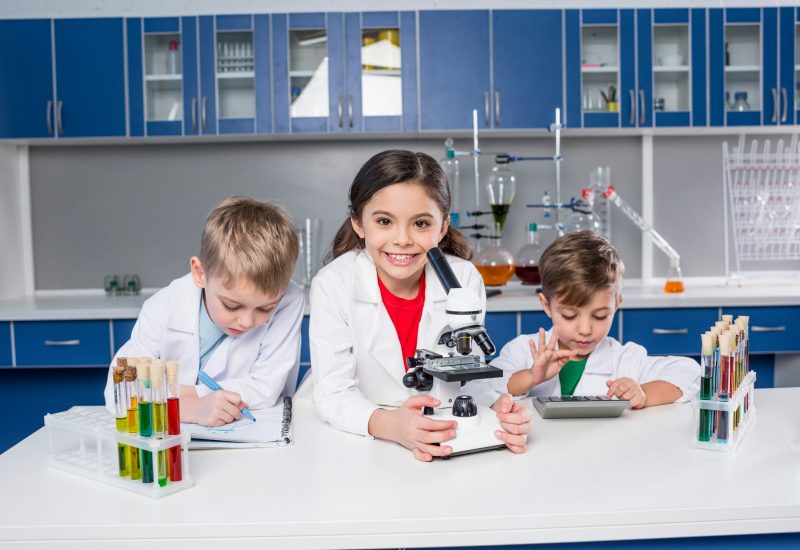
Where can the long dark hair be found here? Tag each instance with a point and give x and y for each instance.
(387, 168)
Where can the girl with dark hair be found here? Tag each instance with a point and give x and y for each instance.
(377, 300)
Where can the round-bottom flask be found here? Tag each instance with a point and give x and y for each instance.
(495, 264)
(526, 262)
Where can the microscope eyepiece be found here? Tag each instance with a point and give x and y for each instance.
(442, 269)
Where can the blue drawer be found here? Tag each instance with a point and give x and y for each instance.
(532, 320)
(122, 329)
(772, 329)
(667, 331)
(54, 343)
(5, 344)
(305, 350)
(502, 328)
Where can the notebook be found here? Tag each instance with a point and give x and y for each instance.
(273, 428)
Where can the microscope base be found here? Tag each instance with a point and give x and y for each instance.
(474, 434)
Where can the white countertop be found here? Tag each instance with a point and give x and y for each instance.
(515, 297)
(633, 477)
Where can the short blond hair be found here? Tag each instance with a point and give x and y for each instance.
(246, 237)
(577, 265)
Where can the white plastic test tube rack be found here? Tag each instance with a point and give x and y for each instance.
(83, 441)
(716, 406)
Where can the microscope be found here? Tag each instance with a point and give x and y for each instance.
(442, 372)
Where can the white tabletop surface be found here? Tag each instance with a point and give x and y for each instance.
(581, 480)
(515, 297)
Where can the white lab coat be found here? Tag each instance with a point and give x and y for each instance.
(259, 365)
(356, 359)
(608, 361)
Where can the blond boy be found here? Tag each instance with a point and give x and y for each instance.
(236, 315)
(581, 290)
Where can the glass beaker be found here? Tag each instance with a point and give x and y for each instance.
(310, 237)
(526, 262)
(501, 187)
(495, 263)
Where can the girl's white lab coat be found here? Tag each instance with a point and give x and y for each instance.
(609, 360)
(357, 364)
(259, 365)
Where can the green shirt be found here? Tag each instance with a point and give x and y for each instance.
(570, 374)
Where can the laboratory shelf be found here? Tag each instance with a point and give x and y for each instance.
(600, 70)
(163, 78)
(235, 75)
(671, 69)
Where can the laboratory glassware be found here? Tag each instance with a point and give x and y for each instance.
(451, 168)
(495, 263)
(501, 187)
(526, 262)
(310, 237)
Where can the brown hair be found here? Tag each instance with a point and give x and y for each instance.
(577, 265)
(245, 237)
(385, 169)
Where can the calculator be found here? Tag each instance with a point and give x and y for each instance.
(580, 406)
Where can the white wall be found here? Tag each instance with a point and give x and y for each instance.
(15, 244)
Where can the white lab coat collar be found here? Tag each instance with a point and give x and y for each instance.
(184, 315)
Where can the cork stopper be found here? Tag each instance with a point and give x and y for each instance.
(122, 362)
(745, 319)
(118, 374)
(130, 373)
(728, 319)
(724, 344)
(143, 368)
(172, 371)
(157, 372)
(721, 325)
(133, 361)
(705, 340)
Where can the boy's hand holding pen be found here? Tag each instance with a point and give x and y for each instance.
(215, 409)
(547, 360)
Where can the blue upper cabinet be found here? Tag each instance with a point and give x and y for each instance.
(454, 69)
(527, 67)
(90, 78)
(780, 65)
(26, 81)
(199, 75)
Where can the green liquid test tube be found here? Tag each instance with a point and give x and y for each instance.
(706, 427)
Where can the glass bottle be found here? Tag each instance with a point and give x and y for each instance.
(501, 186)
(740, 102)
(495, 263)
(450, 166)
(526, 262)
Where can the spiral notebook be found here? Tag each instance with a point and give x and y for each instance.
(272, 428)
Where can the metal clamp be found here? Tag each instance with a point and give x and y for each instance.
(642, 110)
(486, 108)
(670, 331)
(785, 104)
(203, 103)
(350, 109)
(59, 121)
(50, 116)
(756, 328)
(194, 114)
(340, 111)
(632, 121)
(774, 104)
(497, 108)
(62, 342)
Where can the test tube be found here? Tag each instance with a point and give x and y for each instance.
(121, 413)
(174, 420)
(145, 416)
(132, 393)
(706, 416)
(724, 392)
(159, 415)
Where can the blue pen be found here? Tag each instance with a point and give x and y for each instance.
(212, 384)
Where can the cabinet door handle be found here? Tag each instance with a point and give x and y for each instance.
(670, 331)
(59, 120)
(50, 116)
(350, 109)
(642, 110)
(774, 104)
(756, 328)
(486, 108)
(194, 114)
(62, 342)
(784, 104)
(340, 111)
(633, 107)
(497, 108)
(203, 103)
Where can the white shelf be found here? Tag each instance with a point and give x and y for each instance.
(163, 77)
(742, 69)
(301, 74)
(600, 70)
(236, 74)
(382, 72)
(671, 69)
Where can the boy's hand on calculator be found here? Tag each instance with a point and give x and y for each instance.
(547, 360)
(627, 388)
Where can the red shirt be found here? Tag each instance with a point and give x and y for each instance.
(405, 315)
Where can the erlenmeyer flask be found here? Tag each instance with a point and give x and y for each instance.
(501, 186)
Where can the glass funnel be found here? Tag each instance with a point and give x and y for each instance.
(501, 186)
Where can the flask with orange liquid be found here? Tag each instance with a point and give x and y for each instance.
(495, 263)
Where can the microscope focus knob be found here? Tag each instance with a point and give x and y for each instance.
(418, 379)
(464, 406)
(410, 379)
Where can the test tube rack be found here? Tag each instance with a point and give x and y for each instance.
(725, 411)
(83, 441)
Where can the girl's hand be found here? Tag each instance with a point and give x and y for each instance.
(215, 409)
(547, 360)
(413, 430)
(627, 388)
(515, 421)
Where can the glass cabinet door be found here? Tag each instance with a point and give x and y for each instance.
(163, 78)
(672, 78)
(600, 66)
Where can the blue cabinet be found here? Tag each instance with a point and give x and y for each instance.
(62, 343)
(772, 329)
(527, 67)
(121, 330)
(502, 328)
(5, 345)
(88, 97)
(667, 331)
(26, 79)
(454, 69)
